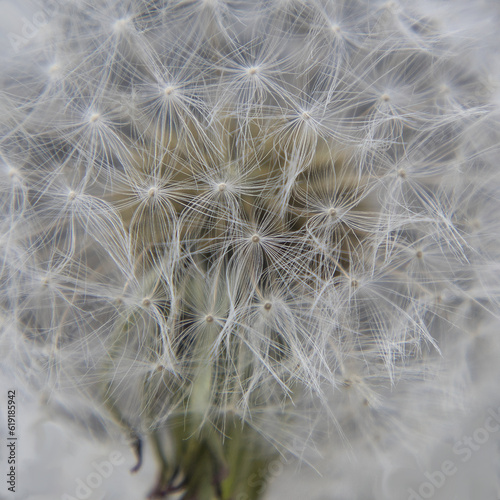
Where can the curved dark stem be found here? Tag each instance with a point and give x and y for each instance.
(137, 447)
(163, 491)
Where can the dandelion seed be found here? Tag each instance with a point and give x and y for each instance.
(121, 25)
(444, 89)
(169, 90)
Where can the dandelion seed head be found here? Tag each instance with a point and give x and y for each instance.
(121, 25)
(55, 71)
(475, 224)
(390, 6)
(270, 214)
(305, 115)
(444, 89)
(13, 173)
(169, 90)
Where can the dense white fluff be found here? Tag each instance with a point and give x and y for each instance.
(275, 211)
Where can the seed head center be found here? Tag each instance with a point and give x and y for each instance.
(444, 89)
(120, 25)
